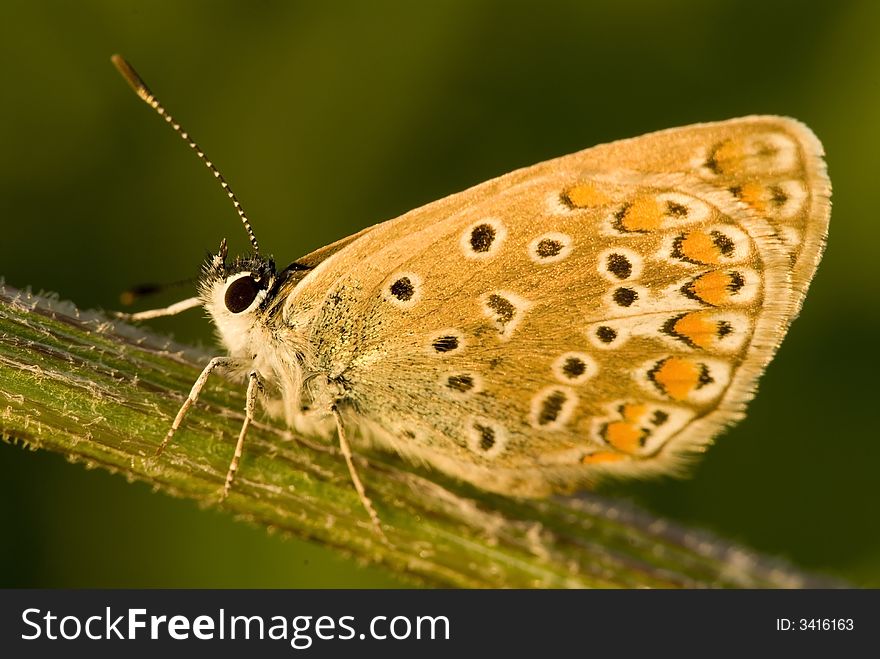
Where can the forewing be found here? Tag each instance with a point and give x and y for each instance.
(603, 312)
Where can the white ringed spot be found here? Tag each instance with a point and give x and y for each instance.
(635, 427)
(717, 244)
(768, 153)
(781, 200)
(550, 247)
(685, 379)
(461, 383)
(678, 208)
(403, 289)
(483, 238)
(552, 407)
(608, 335)
(574, 368)
(627, 298)
(706, 329)
(505, 310)
(446, 342)
(485, 437)
(720, 287)
(619, 264)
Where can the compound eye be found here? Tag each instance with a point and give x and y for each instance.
(241, 294)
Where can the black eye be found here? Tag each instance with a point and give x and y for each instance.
(241, 293)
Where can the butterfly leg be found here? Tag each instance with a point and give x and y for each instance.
(216, 362)
(358, 485)
(254, 387)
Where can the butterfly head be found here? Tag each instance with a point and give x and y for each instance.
(236, 293)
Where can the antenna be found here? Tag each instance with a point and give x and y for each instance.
(141, 89)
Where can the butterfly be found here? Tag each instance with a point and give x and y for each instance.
(606, 313)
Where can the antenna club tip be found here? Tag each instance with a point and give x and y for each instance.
(121, 64)
(127, 71)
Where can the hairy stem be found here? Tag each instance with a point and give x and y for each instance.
(104, 392)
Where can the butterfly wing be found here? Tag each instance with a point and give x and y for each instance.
(605, 312)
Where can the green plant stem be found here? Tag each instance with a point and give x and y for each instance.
(104, 393)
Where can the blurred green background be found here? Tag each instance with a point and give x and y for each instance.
(327, 117)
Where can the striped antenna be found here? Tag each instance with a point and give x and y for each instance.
(141, 89)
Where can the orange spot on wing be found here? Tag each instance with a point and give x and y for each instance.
(698, 246)
(624, 436)
(728, 156)
(677, 377)
(600, 457)
(643, 214)
(633, 412)
(696, 329)
(585, 195)
(755, 195)
(713, 287)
